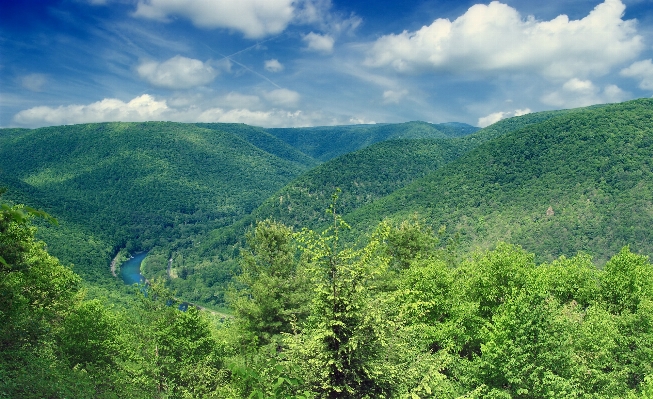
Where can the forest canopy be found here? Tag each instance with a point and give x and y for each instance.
(398, 316)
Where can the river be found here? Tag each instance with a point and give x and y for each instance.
(130, 271)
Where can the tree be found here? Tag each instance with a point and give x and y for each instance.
(36, 295)
(275, 289)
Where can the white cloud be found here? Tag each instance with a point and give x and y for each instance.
(139, 109)
(394, 96)
(581, 93)
(34, 81)
(177, 73)
(360, 120)
(317, 12)
(273, 65)
(495, 38)
(269, 118)
(642, 70)
(232, 107)
(282, 97)
(319, 43)
(497, 116)
(254, 18)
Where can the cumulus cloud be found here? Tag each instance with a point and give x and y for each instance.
(581, 93)
(34, 81)
(319, 43)
(177, 73)
(254, 18)
(495, 38)
(394, 96)
(642, 70)
(233, 107)
(141, 108)
(282, 97)
(273, 65)
(497, 116)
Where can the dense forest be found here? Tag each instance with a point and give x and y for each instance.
(315, 317)
(395, 260)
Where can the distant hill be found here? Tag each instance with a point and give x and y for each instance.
(363, 177)
(262, 139)
(555, 182)
(158, 184)
(328, 142)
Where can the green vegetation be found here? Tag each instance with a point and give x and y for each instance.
(328, 142)
(514, 181)
(503, 263)
(578, 181)
(137, 186)
(396, 317)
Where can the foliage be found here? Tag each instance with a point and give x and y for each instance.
(523, 187)
(328, 142)
(396, 315)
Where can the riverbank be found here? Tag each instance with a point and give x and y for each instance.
(114, 264)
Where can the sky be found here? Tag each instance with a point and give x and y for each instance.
(291, 63)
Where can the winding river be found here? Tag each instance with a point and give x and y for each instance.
(130, 273)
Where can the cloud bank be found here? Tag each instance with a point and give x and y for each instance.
(495, 38)
(276, 108)
(141, 108)
(254, 18)
(497, 116)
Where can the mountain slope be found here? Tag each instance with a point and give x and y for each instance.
(141, 184)
(579, 181)
(369, 174)
(328, 142)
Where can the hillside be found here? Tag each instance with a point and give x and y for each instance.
(189, 192)
(578, 181)
(159, 184)
(376, 171)
(328, 142)
(363, 177)
(141, 184)
(514, 181)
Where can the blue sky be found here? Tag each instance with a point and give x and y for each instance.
(317, 62)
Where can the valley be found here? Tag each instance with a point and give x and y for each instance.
(341, 254)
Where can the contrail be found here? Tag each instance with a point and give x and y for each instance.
(228, 57)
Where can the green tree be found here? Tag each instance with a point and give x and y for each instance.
(274, 290)
(36, 295)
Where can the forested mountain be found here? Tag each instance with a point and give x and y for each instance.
(578, 181)
(481, 205)
(315, 317)
(328, 142)
(369, 174)
(362, 177)
(143, 184)
(339, 278)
